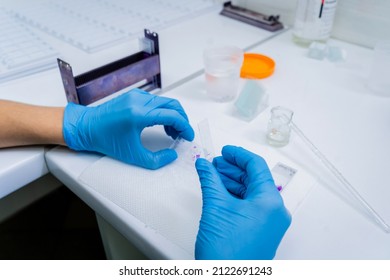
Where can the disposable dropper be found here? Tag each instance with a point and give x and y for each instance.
(342, 179)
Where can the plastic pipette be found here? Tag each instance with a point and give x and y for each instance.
(342, 179)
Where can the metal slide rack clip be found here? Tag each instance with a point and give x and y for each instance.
(142, 67)
(268, 22)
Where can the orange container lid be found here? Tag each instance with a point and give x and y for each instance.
(257, 66)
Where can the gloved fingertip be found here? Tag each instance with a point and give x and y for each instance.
(162, 158)
(201, 164)
(230, 149)
(206, 170)
(216, 161)
(171, 132)
(188, 134)
(212, 186)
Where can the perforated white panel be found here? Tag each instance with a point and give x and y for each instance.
(167, 200)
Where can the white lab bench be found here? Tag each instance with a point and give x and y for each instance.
(181, 49)
(332, 107)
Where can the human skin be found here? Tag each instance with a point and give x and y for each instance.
(24, 124)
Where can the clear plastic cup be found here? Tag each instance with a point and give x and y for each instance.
(378, 80)
(222, 72)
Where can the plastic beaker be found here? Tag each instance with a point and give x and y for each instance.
(222, 72)
(279, 126)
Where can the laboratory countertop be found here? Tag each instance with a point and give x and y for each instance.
(335, 110)
(19, 167)
(182, 44)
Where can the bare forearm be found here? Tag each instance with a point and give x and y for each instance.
(22, 124)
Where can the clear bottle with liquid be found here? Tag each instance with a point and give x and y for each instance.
(313, 21)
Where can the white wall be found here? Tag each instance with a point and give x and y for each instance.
(358, 21)
(363, 21)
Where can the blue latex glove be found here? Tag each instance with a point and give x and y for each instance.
(243, 215)
(114, 128)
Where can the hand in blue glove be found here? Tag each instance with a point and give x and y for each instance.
(114, 128)
(243, 215)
